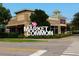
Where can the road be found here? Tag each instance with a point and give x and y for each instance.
(68, 46)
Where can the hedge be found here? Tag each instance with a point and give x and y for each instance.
(16, 35)
(75, 32)
(8, 35)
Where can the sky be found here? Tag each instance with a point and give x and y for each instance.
(67, 9)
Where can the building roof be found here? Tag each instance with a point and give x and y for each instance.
(14, 22)
(53, 20)
(23, 11)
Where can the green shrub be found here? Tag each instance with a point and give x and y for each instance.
(75, 32)
(40, 37)
(12, 35)
(21, 36)
(3, 35)
(8, 35)
(16, 35)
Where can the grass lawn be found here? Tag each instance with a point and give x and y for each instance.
(20, 40)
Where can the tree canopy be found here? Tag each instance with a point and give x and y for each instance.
(75, 21)
(5, 16)
(40, 17)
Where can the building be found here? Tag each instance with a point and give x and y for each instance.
(22, 18)
(58, 22)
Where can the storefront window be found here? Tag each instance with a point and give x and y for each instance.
(54, 29)
(62, 21)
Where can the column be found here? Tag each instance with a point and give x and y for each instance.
(59, 29)
(7, 30)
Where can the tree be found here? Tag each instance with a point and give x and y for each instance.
(0, 4)
(5, 16)
(68, 26)
(40, 17)
(75, 22)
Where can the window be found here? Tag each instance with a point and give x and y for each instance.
(62, 21)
